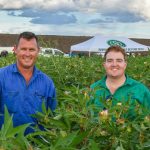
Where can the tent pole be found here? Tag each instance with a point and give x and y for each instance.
(89, 54)
(70, 53)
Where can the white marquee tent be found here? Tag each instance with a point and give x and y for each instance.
(9, 49)
(99, 44)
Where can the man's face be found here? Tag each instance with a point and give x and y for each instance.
(115, 64)
(26, 53)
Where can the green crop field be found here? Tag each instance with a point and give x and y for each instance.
(72, 127)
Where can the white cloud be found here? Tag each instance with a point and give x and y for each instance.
(59, 4)
(39, 4)
(141, 7)
(116, 17)
(138, 7)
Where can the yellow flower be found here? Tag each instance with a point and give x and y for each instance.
(147, 119)
(103, 115)
(67, 92)
(120, 121)
(119, 104)
(63, 133)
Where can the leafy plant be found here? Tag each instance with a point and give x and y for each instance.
(12, 137)
(72, 126)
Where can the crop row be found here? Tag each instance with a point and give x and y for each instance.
(72, 127)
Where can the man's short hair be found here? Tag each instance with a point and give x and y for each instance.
(28, 36)
(116, 48)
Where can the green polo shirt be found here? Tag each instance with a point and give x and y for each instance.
(131, 91)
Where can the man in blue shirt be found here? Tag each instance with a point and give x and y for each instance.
(23, 87)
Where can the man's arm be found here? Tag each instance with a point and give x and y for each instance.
(146, 101)
(51, 101)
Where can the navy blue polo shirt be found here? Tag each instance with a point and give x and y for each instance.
(21, 99)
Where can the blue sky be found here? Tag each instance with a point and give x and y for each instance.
(129, 18)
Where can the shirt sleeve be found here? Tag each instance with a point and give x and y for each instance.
(0, 85)
(52, 102)
(146, 101)
(1, 112)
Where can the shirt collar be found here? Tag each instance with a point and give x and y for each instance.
(15, 69)
(128, 81)
(102, 82)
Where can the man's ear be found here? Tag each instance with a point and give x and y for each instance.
(15, 49)
(40, 50)
(104, 64)
(126, 63)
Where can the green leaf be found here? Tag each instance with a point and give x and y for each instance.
(137, 127)
(57, 123)
(93, 145)
(8, 123)
(17, 130)
(66, 141)
(146, 144)
(44, 107)
(79, 138)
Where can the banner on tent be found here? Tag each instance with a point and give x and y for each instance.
(134, 49)
(126, 49)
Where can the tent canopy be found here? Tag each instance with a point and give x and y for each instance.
(99, 44)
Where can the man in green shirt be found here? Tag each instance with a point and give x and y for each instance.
(116, 86)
